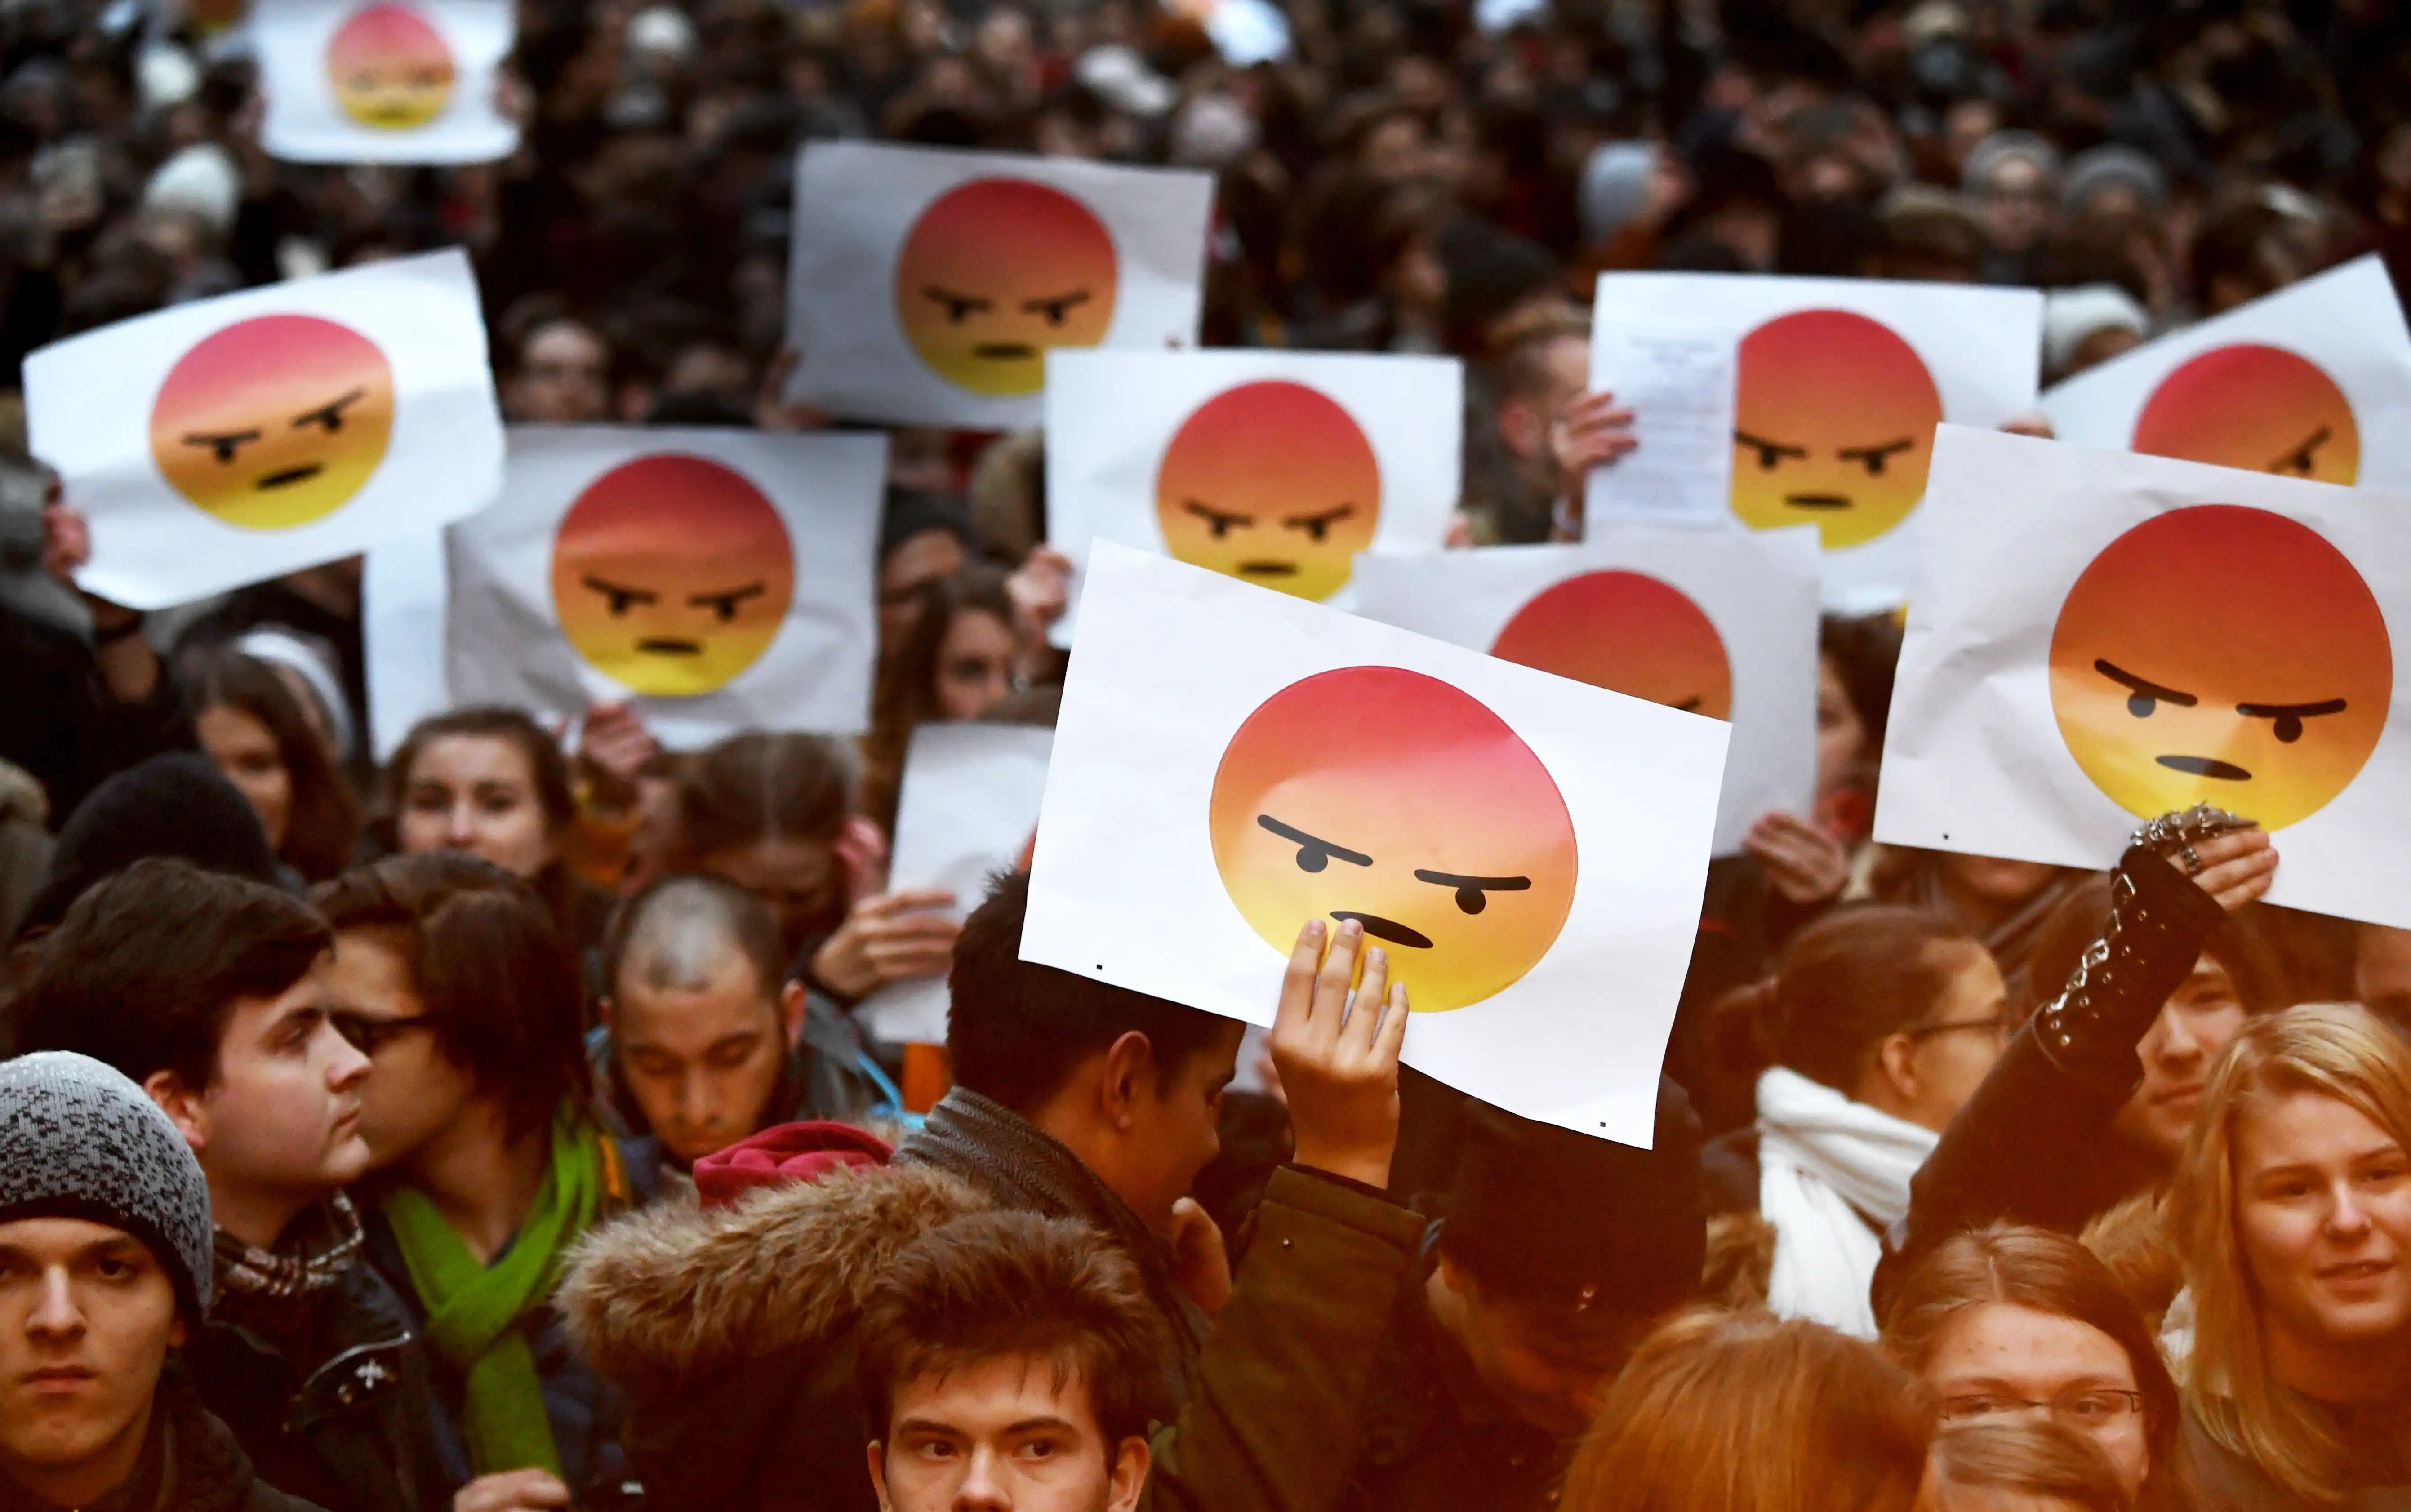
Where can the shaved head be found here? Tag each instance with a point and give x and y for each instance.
(678, 935)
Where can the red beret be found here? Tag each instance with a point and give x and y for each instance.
(789, 1153)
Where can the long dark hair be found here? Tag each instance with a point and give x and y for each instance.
(325, 821)
(907, 695)
(546, 767)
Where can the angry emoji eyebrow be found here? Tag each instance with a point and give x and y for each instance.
(621, 596)
(1313, 854)
(727, 600)
(1318, 525)
(1873, 456)
(1769, 452)
(223, 441)
(1221, 521)
(2299, 459)
(330, 413)
(1057, 306)
(958, 305)
(2289, 717)
(1473, 892)
(2143, 688)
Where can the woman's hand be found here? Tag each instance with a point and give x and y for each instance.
(2235, 869)
(1590, 432)
(1340, 1063)
(1801, 862)
(892, 937)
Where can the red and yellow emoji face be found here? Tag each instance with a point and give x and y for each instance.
(1270, 482)
(274, 421)
(2223, 655)
(1834, 424)
(2260, 408)
(995, 273)
(1392, 798)
(1628, 632)
(671, 574)
(389, 67)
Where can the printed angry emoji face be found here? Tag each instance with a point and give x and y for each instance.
(1273, 483)
(274, 421)
(1834, 424)
(2260, 408)
(1628, 632)
(2224, 655)
(1392, 798)
(389, 67)
(671, 574)
(997, 272)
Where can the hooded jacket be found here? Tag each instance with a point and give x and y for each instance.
(730, 1331)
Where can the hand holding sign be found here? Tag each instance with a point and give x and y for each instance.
(1339, 1063)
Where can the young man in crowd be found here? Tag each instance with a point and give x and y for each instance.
(105, 1245)
(209, 991)
(1078, 1100)
(704, 1033)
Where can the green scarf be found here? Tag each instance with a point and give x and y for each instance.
(476, 1314)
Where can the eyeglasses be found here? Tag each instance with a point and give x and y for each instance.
(1998, 1026)
(370, 1034)
(2091, 1407)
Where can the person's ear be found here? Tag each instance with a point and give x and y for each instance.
(1520, 427)
(1129, 1076)
(877, 1453)
(1128, 1477)
(1896, 1058)
(792, 1004)
(185, 1106)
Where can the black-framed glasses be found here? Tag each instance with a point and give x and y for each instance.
(1998, 1026)
(368, 1035)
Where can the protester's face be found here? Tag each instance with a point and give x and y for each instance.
(282, 1118)
(245, 754)
(802, 881)
(413, 1089)
(87, 1316)
(701, 1062)
(564, 376)
(1009, 1434)
(975, 664)
(2016, 208)
(2199, 1021)
(2323, 1218)
(1996, 881)
(1176, 1125)
(918, 561)
(1997, 1361)
(2381, 972)
(475, 793)
(1954, 1049)
(1841, 734)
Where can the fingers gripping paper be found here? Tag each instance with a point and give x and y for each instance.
(2097, 638)
(926, 287)
(1230, 762)
(1720, 623)
(226, 441)
(723, 578)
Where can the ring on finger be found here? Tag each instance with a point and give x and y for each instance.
(2192, 859)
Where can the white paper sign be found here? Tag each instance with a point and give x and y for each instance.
(969, 810)
(724, 579)
(2099, 638)
(402, 604)
(384, 81)
(1529, 851)
(1679, 382)
(1275, 466)
(1715, 622)
(926, 287)
(226, 441)
(1840, 384)
(2312, 381)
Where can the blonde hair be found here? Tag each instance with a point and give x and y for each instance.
(2335, 1051)
(1734, 1412)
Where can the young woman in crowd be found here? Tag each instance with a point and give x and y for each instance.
(2020, 1465)
(488, 781)
(1739, 1412)
(962, 655)
(488, 1163)
(256, 732)
(2003, 1323)
(2094, 1097)
(1879, 1024)
(2292, 1209)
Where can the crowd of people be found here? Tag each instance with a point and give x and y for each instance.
(491, 1125)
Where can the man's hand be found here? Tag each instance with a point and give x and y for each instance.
(1801, 862)
(517, 1490)
(891, 938)
(1591, 433)
(1200, 1266)
(2236, 868)
(1340, 1067)
(615, 746)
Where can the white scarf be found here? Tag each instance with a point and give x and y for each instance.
(1823, 1161)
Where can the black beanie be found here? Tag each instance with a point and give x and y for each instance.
(175, 804)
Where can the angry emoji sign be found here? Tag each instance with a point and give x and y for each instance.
(994, 273)
(1834, 420)
(1273, 483)
(390, 67)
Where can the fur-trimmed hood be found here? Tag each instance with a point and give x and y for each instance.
(662, 1298)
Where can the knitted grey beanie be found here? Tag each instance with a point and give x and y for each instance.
(78, 1140)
